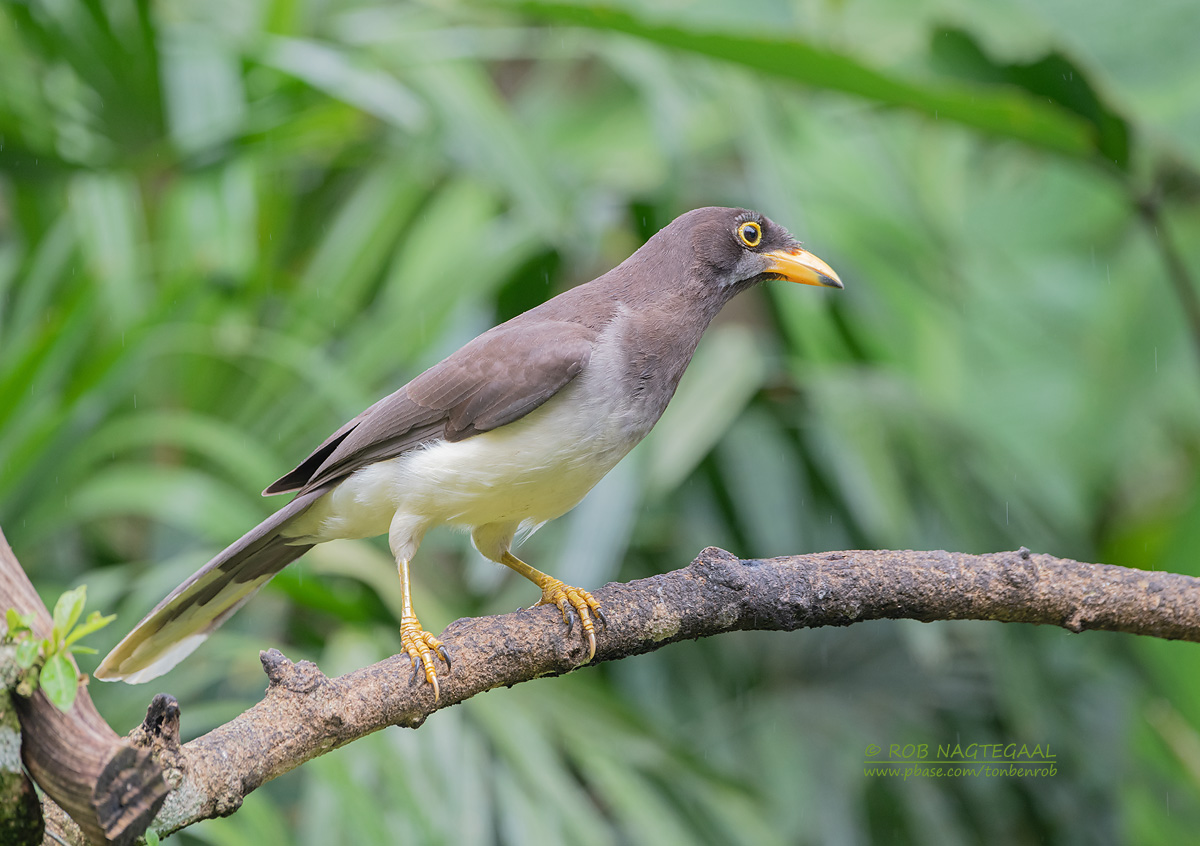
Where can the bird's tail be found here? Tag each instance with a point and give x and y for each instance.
(183, 620)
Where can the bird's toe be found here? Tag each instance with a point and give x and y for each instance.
(586, 606)
(422, 649)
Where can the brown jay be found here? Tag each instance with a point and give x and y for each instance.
(507, 433)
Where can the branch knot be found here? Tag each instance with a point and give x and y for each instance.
(301, 677)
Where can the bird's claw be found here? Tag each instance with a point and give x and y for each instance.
(565, 597)
(422, 649)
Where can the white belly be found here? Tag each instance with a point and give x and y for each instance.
(527, 472)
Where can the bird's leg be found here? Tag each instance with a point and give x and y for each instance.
(555, 592)
(418, 643)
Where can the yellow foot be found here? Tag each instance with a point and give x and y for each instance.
(555, 592)
(421, 647)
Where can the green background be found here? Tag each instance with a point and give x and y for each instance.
(227, 227)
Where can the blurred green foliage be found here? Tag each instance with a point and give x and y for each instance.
(227, 227)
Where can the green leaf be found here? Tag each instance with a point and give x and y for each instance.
(16, 622)
(108, 215)
(27, 652)
(151, 837)
(67, 611)
(997, 111)
(1053, 76)
(178, 496)
(59, 681)
(343, 74)
(358, 239)
(203, 91)
(94, 622)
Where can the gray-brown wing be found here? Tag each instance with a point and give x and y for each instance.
(497, 378)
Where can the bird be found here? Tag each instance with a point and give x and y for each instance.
(504, 435)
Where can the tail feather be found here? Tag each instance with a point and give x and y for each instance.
(195, 609)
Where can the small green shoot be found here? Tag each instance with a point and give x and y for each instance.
(55, 674)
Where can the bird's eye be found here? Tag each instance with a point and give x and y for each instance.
(750, 233)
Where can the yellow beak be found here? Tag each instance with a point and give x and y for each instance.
(797, 265)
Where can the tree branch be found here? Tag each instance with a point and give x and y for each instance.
(109, 787)
(305, 714)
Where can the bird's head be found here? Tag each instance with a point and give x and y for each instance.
(736, 248)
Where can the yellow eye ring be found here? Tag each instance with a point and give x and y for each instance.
(750, 233)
